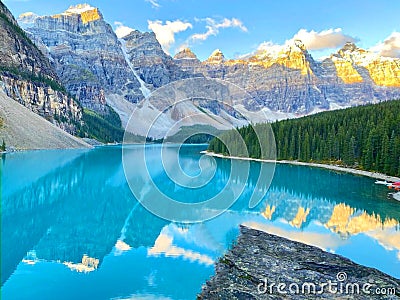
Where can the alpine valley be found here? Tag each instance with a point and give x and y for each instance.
(78, 52)
(197, 176)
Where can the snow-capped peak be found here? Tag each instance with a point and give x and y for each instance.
(349, 46)
(299, 45)
(353, 54)
(27, 18)
(216, 53)
(28, 14)
(269, 50)
(79, 8)
(216, 57)
(185, 53)
(87, 13)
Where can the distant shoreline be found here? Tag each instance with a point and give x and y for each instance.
(316, 165)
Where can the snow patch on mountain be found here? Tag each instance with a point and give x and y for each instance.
(79, 8)
(27, 19)
(145, 91)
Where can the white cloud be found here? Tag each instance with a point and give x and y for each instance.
(165, 33)
(269, 47)
(390, 46)
(312, 40)
(121, 30)
(154, 3)
(325, 39)
(213, 28)
(164, 245)
(121, 247)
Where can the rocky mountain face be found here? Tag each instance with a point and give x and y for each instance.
(86, 54)
(283, 81)
(383, 71)
(27, 76)
(96, 66)
(291, 81)
(153, 65)
(188, 62)
(23, 129)
(18, 51)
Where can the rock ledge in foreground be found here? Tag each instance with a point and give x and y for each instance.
(265, 266)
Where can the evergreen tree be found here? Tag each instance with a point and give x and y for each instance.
(366, 137)
(385, 156)
(351, 151)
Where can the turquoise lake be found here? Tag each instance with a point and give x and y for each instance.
(72, 229)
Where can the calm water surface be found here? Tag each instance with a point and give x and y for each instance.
(71, 228)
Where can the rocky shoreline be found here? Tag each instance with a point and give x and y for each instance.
(316, 165)
(265, 266)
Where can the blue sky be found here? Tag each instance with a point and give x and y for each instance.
(238, 27)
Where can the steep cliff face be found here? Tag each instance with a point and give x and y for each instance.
(86, 54)
(16, 49)
(293, 55)
(384, 71)
(54, 105)
(283, 81)
(147, 56)
(153, 65)
(27, 76)
(216, 58)
(188, 62)
(354, 76)
(186, 54)
(23, 129)
(98, 68)
(289, 80)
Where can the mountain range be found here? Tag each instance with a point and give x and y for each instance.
(80, 51)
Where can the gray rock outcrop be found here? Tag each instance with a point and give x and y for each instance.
(22, 129)
(27, 77)
(265, 266)
(97, 68)
(153, 65)
(87, 56)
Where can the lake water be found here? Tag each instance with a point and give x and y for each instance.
(72, 229)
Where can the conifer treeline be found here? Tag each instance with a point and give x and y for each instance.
(365, 137)
(105, 129)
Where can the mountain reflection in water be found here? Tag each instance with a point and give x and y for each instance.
(71, 226)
